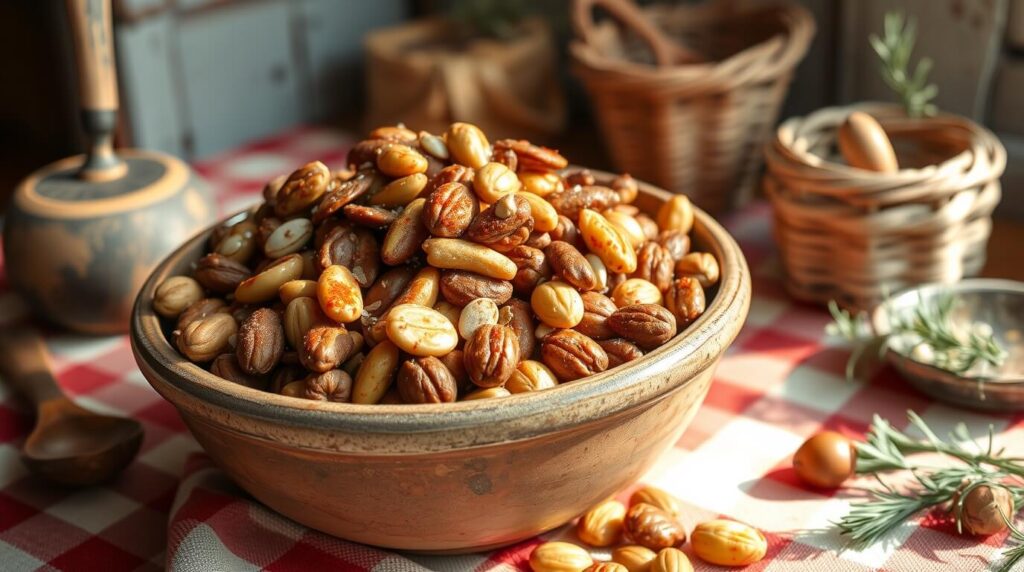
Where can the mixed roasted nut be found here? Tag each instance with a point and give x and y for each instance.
(436, 269)
(647, 537)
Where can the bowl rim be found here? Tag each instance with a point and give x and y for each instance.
(715, 329)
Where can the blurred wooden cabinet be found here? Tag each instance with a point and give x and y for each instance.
(201, 76)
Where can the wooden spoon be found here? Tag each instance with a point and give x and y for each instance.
(69, 445)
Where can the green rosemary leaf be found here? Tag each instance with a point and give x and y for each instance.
(894, 50)
(1014, 554)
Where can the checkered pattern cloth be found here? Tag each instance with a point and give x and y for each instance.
(781, 381)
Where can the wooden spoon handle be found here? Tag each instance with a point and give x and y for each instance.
(25, 365)
(97, 86)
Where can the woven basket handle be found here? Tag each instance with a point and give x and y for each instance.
(667, 52)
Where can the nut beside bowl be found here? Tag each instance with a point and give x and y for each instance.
(455, 477)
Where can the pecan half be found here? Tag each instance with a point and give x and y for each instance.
(491, 355)
(352, 247)
(460, 287)
(326, 347)
(654, 264)
(506, 157)
(219, 273)
(571, 202)
(451, 174)
(504, 226)
(571, 355)
(426, 380)
(449, 210)
(646, 325)
(620, 351)
(334, 385)
(533, 268)
(532, 157)
(260, 342)
(596, 309)
(648, 525)
(685, 299)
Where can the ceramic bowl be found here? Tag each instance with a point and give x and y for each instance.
(998, 303)
(454, 477)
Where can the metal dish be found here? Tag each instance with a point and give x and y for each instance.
(999, 303)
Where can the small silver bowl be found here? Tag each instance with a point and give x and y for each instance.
(999, 303)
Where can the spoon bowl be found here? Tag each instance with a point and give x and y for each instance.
(74, 446)
(69, 445)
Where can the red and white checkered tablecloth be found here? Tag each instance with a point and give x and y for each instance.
(780, 382)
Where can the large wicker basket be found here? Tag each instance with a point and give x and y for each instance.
(856, 236)
(693, 128)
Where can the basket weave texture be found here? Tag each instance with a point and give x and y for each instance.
(856, 236)
(418, 74)
(695, 128)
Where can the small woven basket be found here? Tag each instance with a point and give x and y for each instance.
(695, 128)
(856, 236)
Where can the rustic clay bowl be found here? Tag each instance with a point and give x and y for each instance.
(455, 477)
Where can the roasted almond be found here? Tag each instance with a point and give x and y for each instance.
(405, 235)
(570, 264)
(260, 342)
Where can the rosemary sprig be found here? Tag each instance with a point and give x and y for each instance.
(888, 508)
(932, 324)
(1015, 553)
(954, 352)
(886, 448)
(894, 49)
